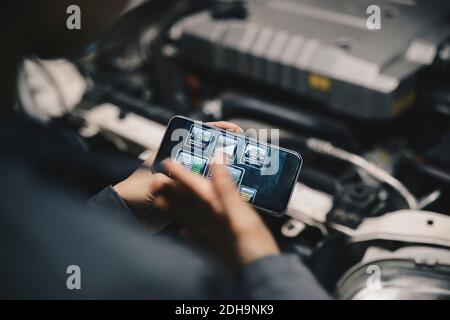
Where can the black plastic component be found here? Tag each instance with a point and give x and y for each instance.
(439, 155)
(235, 105)
(229, 9)
(353, 202)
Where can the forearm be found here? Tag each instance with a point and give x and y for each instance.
(112, 205)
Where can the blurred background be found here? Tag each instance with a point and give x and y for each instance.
(369, 111)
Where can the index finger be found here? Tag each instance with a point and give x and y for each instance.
(226, 190)
(192, 182)
(225, 125)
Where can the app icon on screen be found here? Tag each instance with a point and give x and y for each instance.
(227, 145)
(192, 163)
(200, 137)
(248, 194)
(255, 155)
(236, 174)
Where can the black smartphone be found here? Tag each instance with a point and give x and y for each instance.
(265, 174)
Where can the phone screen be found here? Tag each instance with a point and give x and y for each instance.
(264, 174)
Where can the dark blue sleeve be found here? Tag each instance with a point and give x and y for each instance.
(112, 205)
(282, 277)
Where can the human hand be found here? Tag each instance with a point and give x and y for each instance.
(138, 190)
(215, 216)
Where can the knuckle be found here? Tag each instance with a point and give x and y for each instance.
(159, 181)
(160, 177)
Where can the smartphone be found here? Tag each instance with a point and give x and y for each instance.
(264, 174)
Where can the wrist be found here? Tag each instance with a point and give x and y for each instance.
(256, 244)
(130, 196)
(121, 192)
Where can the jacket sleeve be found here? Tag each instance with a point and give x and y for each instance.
(112, 205)
(282, 277)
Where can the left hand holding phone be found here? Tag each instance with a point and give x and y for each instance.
(138, 189)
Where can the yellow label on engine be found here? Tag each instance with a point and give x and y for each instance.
(404, 102)
(319, 82)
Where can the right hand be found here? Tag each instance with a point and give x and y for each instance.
(215, 216)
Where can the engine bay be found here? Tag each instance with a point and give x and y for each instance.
(368, 110)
